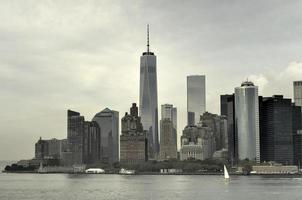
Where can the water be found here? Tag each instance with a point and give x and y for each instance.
(79, 187)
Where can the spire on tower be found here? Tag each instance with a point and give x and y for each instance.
(148, 52)
(148, 38)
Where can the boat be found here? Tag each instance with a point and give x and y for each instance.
(226, 173)
(94, 171)
(126, 171)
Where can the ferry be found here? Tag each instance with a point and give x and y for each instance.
(94, 171)
(127, 172)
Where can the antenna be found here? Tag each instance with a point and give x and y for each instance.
(148, 38)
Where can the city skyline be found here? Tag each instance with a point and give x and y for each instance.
(42, 75)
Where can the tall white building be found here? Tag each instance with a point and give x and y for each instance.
(196, 98)
(148, 107)
(298, 93)
(247, 121)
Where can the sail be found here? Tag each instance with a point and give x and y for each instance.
(226, 174)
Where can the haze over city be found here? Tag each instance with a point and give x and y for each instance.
(85, 56)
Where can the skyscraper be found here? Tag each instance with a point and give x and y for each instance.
(108, 121)
(247, 121)
(91, 142)
(298, 93)
(75, 130)
(170, 112)
(227, 108)
(168, 132)
(168, 144)
(297, 137)
(148, 98)
(224, 104)
(276, 129)
(196, 98)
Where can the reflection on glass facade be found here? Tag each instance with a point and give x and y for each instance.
(196, 98)
(298, 93)
(108, 121)
(148, 99)
(247, 121)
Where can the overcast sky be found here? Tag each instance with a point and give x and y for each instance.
(84, 55)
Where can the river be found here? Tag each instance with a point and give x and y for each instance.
(139, 187)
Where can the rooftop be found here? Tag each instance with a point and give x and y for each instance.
(247, 83)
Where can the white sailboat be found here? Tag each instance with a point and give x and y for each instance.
(226, 173)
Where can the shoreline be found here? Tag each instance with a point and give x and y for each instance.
(298, 175)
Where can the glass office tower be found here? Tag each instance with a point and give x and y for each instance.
(196, 98)
(108, 121)
(247, 121)
(148, 107)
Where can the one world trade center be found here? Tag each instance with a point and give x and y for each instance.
(148, 107)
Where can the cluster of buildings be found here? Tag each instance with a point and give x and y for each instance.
(261, 129)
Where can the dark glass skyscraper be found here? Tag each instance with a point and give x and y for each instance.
(148, 98)
(91, 142)
(276, 129)
(224, 104)
(227, 107)
(75, 129)
(297, 131)
(108, 121)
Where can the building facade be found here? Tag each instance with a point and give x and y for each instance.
(54, 148)
(218, 125)
(196, 98)
(276, 129)
(298, 93)
(41, 149)
(168, 111)
(133, 141)
(148, 99)
(49, 149)
(108, 121)
(168, 140)
(91, 142)
(75, 129)
(297, 137)
(227, 108)
(247, 121)
(224, 99)
(197, 142)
